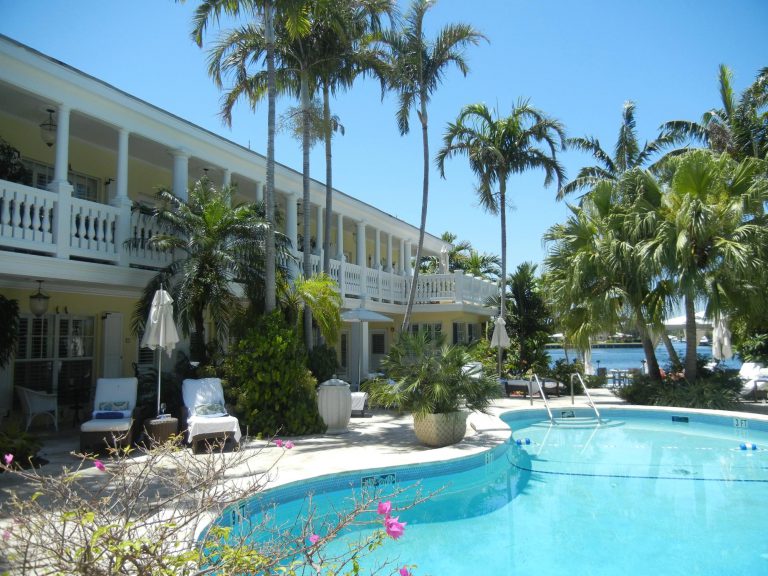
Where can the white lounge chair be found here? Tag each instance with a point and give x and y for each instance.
(206, 414)
(34, 403)
(113, 410)
(754, 378)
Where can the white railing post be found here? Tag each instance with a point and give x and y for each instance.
(343, 275)
(458, 288)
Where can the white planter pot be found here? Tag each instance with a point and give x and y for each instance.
(334, 402)
(438, 430)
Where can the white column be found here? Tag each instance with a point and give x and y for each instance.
(61, 167)
(377, 249)
(121, 200)
(291, 219)
(227, 178)
(361, 244)
(180, 173)
(340, 236)
(389, 252)
(401, 265)
(61, 186)
(122, 164)
(259, 191)
(320, 233)
(408, 267)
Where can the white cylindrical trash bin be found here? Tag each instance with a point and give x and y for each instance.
(334, 401)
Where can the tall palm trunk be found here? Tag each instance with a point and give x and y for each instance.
(306, 228)
(503, 283)
(690, 338)
(328, 181)
(673, 357)
(198, 350)
(423, 225)
(648, 348)
(270, 276)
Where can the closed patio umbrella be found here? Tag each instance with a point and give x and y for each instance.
(499, 338)
(721, 345)
(160, 331)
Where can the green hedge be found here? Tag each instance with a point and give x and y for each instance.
(267, 379)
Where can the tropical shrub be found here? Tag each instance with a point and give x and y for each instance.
(561, 371)
(425, 376)
(717, 391)
(267, 380)
(9, 328)
(323, 362)
(754, 348)
(17, 441)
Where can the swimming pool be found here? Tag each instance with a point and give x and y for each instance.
(645, 492)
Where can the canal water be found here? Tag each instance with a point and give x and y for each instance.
(627, 358)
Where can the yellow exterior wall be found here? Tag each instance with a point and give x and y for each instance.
(92, 305)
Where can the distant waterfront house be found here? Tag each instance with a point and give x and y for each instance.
(106, 151)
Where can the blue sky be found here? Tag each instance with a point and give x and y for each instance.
(576, 60)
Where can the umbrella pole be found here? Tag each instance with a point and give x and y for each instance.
(159, 377)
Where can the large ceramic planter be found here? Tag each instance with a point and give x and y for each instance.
(438, 430)
(334, 402)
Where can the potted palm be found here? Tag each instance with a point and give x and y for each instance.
(425, 376)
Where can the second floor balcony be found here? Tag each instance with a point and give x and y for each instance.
(55, 225)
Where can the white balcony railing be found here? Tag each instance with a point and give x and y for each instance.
(31, 220)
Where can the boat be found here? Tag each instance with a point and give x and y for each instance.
(704, 341)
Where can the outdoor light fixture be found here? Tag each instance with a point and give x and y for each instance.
(38, 302)
(48, 129)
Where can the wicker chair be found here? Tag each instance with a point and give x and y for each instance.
(205, 413)
(35, 403)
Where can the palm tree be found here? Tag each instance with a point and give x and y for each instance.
(627, 154)
(482, 265)
(597, 268)
(263, 12)
(215, 245)
(713, 232)
(456, 255)
(344, 41)
(415, 66)
(739, 127)
(319, 293)
(497, 148)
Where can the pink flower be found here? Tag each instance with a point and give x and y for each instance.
(314, 539)
(99, 465)
(8, 458)
(384, 508)
(288, 445)
(279, 443)
(394, 528)
(404, 571)
(6, 535)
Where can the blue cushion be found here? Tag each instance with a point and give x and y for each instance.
(102, 415)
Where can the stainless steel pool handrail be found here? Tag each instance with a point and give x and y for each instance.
(586, 392)
(543, 396)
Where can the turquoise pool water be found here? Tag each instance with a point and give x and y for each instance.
(644, 492)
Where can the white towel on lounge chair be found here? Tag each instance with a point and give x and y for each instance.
(203, 398)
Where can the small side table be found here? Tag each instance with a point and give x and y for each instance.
(159, 430)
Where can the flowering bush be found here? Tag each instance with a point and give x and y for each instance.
(142, 511)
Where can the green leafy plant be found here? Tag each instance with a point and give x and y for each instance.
(9, 329)
(323, 362)
(425, 376)
(11, 166)
(268, 382)
(17, 441)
